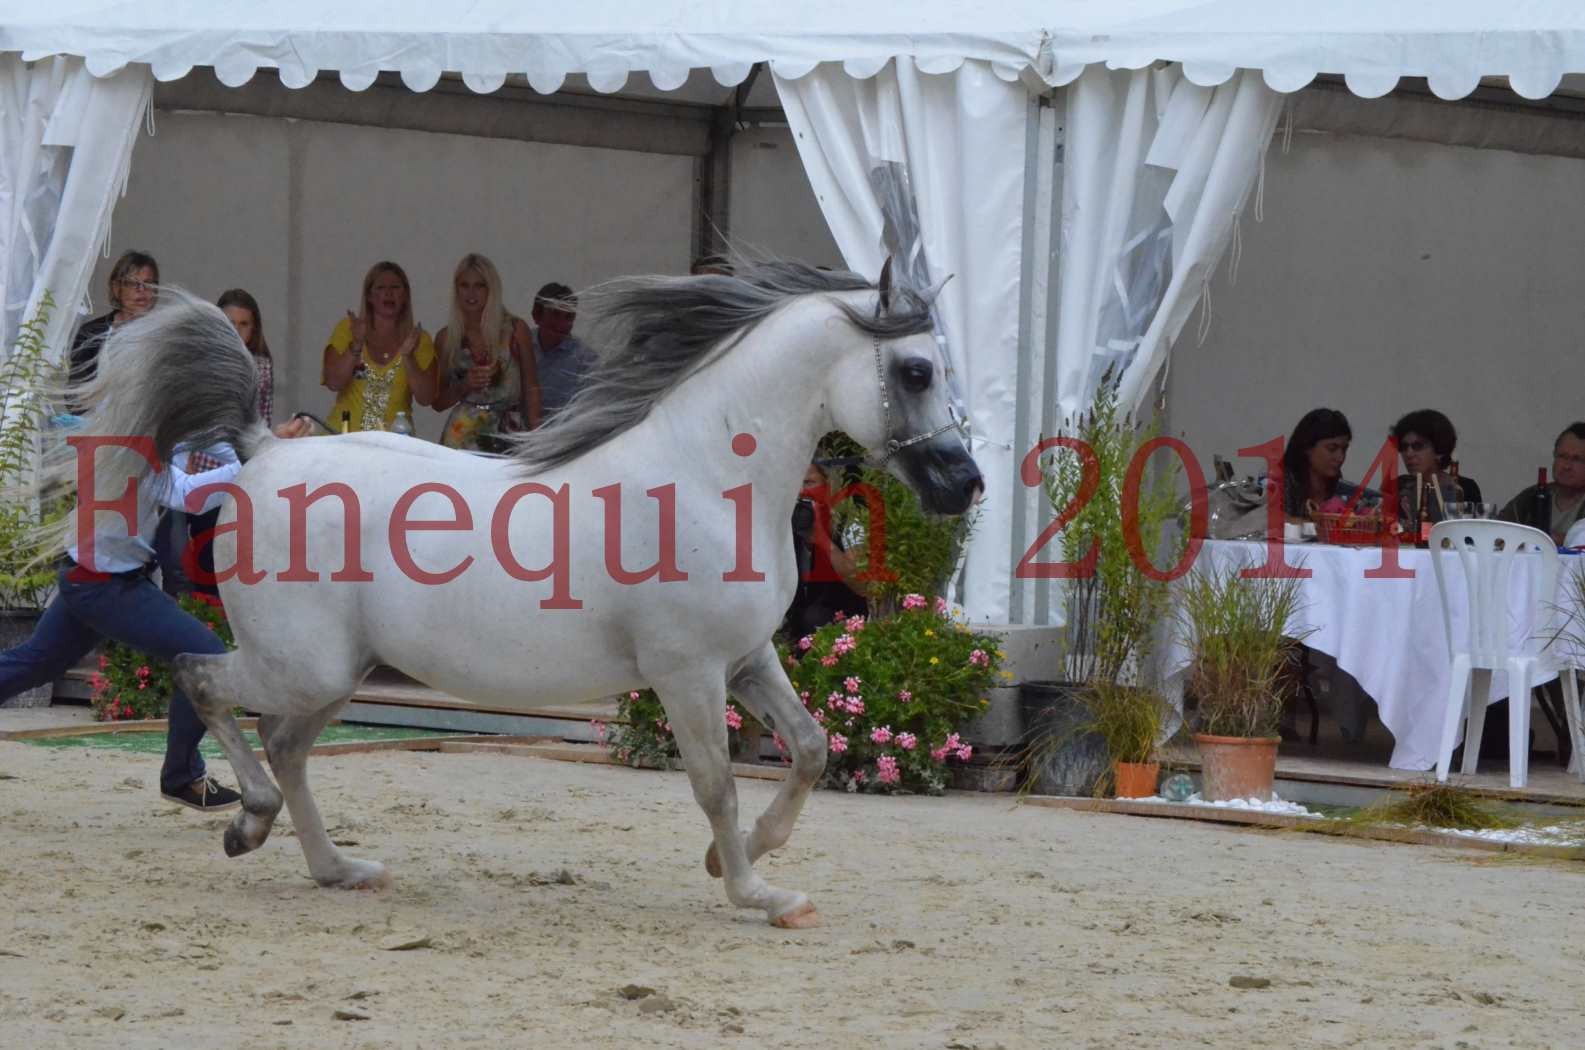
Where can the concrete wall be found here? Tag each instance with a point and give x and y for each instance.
(773, 207)
(1389, 276)
(296, 212)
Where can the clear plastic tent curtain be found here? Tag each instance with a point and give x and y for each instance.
(65, 151)
(929, 169)
(1156, 172)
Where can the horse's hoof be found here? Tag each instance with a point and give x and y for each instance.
(365, 875)
(235, 844)
(803, 917)
(712, 862)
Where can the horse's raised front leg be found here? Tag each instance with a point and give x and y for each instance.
(210, 683)
(762, 686)
(695, 705)
(287, 739)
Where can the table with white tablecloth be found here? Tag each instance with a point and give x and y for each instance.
(1388, 633)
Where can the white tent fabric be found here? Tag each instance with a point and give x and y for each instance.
(930, 169)
(65, 152)
(1453, 43)
(1156, 170)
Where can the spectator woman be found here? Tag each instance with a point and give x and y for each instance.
(242, 310)
(134, 281)
(1312, 464)
(378, 361)
(1426, 439)
(487, 363)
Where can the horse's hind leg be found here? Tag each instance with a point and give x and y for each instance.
(287, 739)
(761, 684)
(695, 703)
(213, 684)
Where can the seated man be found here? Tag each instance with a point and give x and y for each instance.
(821, 594)
(1566, 489)
(563, 362)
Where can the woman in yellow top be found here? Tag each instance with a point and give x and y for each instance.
(378, 362)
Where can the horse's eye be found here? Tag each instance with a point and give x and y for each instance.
(916, 374)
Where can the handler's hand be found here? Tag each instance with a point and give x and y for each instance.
(294, 428)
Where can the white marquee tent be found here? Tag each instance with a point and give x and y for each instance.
(1081, 225)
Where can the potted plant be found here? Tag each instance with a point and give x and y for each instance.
(26, 580)
(1241, 632)
(1130, 721)
(1113, 610)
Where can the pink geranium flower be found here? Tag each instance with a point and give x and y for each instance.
(838, 743)
(941, 606)
(733, 719)
(854, 625)
(886, 770)
(881, 734)
(965, 752)
(914, 601)
(852, 684)
(855, 705)
(904, 695)
(829, 660)
(805, 642)
(838, 701)
(907, 741)
(979, 658)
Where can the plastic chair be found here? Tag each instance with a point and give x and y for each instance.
(1488, 552)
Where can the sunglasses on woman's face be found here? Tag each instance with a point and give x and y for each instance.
(138, 286)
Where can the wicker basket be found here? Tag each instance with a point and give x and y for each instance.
(1353, 530)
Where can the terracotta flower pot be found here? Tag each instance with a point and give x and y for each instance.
(1137, 779)
(1237, 767)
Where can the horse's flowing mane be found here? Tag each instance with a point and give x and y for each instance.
(654, 332)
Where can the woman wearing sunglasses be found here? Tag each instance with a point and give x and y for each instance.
(1426, 440)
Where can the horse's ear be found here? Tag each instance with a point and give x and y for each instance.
(886, 285)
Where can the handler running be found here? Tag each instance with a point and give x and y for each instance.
(120, 602)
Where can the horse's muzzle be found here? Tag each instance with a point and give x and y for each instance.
(951, 481)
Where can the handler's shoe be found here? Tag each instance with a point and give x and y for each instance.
(206, 796)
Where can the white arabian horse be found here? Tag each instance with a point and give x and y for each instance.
(555, 572)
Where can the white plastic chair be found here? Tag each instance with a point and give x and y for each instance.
(1489, 552)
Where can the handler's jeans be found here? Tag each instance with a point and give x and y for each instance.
(128, 609)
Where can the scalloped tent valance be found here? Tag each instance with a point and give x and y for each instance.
(1371, 43)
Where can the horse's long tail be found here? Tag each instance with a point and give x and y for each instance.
(176, 377)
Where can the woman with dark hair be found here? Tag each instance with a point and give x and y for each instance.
(242, 310)
(1426, 440)
(133, 283)
(1312, 464)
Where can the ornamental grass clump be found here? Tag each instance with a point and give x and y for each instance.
(1131, 720)
(132, 685)
(892, 694)
(1438, 805)
(1241, 632)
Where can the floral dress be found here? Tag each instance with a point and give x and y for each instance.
(482, 417)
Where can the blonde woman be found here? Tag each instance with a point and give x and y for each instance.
(378, 362)
(488, 371)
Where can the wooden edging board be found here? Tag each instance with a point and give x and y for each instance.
(1251, 818)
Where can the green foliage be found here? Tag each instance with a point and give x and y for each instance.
(131, 684)
(913, 549)
(892, 693)
(25, 580)
(641, 735)
(1129, 719)
(1114, 611)
(1242, 633)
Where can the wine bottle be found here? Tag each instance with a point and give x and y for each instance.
(1543, 503)
(1423, 531)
